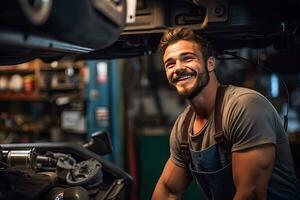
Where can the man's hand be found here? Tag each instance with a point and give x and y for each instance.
(252, 170)
(173, 181)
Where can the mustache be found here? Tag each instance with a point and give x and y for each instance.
(181, 73)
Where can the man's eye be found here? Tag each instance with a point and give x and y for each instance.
(188, 58)
(169, 65)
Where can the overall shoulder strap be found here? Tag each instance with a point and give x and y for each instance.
(219, 133)
(184, 144)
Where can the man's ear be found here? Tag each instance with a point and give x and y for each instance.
(211, 64)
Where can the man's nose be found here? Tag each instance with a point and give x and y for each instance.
(179, 66)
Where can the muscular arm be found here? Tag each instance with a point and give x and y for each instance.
(172, 183)
(252, 169)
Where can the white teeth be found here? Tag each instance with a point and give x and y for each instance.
(184, 77)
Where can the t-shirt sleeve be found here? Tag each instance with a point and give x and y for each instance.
(250, 122)
(175, 154)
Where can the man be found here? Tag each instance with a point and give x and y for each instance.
(230, 139)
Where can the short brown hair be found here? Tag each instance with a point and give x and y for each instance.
(179, 33)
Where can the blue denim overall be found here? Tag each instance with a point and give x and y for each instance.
(213, 173)
(212, 167)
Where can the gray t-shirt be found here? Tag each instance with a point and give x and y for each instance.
(248, 120)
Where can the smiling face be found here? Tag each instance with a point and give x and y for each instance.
(185, 67)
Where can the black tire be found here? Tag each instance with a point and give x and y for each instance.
(78, 22)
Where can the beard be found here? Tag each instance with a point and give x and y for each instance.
(201, 82)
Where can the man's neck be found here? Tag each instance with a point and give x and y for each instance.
(204, 103)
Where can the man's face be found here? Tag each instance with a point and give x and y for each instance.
(186, 69)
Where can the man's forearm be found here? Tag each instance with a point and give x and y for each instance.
(172, 183)
(248, 195)
(162, 192)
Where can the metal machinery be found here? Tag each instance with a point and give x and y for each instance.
(60, 171)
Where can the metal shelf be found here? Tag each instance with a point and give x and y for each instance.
(10, 96)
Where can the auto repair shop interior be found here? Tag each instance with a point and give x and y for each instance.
(87, 73)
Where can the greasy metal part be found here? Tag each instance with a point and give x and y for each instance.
(37, 11)
(85, 172)
(22, 159)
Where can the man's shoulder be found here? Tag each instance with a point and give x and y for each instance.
(239, 100)
(238, 90)
(236, 94)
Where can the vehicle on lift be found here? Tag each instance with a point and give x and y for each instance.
(95, 29)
